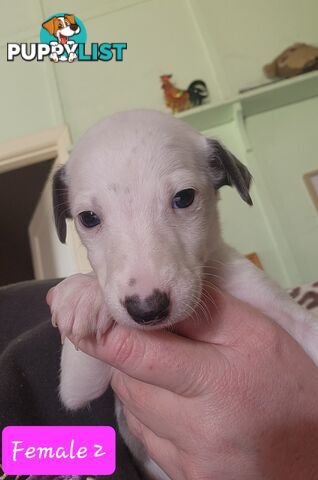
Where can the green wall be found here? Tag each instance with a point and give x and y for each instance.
(285, 143)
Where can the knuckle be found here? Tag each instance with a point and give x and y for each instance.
(198, 381)
(125, 350)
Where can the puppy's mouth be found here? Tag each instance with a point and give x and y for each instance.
(152, 321)
(63, 39)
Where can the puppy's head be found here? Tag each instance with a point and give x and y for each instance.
(141, 187)
(62, 27)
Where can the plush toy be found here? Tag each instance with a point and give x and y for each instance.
(297, 59)
(178, 99)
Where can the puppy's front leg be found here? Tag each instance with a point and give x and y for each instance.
(78, 310)
(78, 307)
(83, 378)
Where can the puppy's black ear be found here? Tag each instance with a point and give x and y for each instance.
(60, 203)
(228, 170)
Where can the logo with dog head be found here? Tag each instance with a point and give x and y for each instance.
(62, 39)
(63, 32)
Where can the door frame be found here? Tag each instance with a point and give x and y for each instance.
(53, 143)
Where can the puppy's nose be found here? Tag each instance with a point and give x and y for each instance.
(150, 310)
(74, 27)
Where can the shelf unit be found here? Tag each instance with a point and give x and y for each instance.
(269, 97)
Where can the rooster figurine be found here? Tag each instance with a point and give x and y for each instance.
(178, 99)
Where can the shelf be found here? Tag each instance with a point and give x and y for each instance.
(269, 97)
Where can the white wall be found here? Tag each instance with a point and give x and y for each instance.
(244, 35)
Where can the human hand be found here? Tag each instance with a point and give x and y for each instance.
(231, 396)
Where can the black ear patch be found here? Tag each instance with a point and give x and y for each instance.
(228, 170)
(60, 203)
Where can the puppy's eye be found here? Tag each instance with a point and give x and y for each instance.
(60, 25)
(89, 219)
(184, 198)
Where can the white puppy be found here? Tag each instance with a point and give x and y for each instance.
(142, 188)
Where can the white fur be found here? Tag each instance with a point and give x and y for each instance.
(127, 170)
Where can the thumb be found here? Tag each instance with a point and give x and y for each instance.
(160, 358)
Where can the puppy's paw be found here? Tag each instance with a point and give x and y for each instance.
(54, 58)
(72, 56)
(78, 308)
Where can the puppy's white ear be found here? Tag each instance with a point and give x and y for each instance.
(60, 203)
(226, 169)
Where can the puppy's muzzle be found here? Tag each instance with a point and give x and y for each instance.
(150, 310)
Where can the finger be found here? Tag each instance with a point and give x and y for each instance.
(156, 408)
(49, 296)
(158, 357)
(162, 451)
(54, 320)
